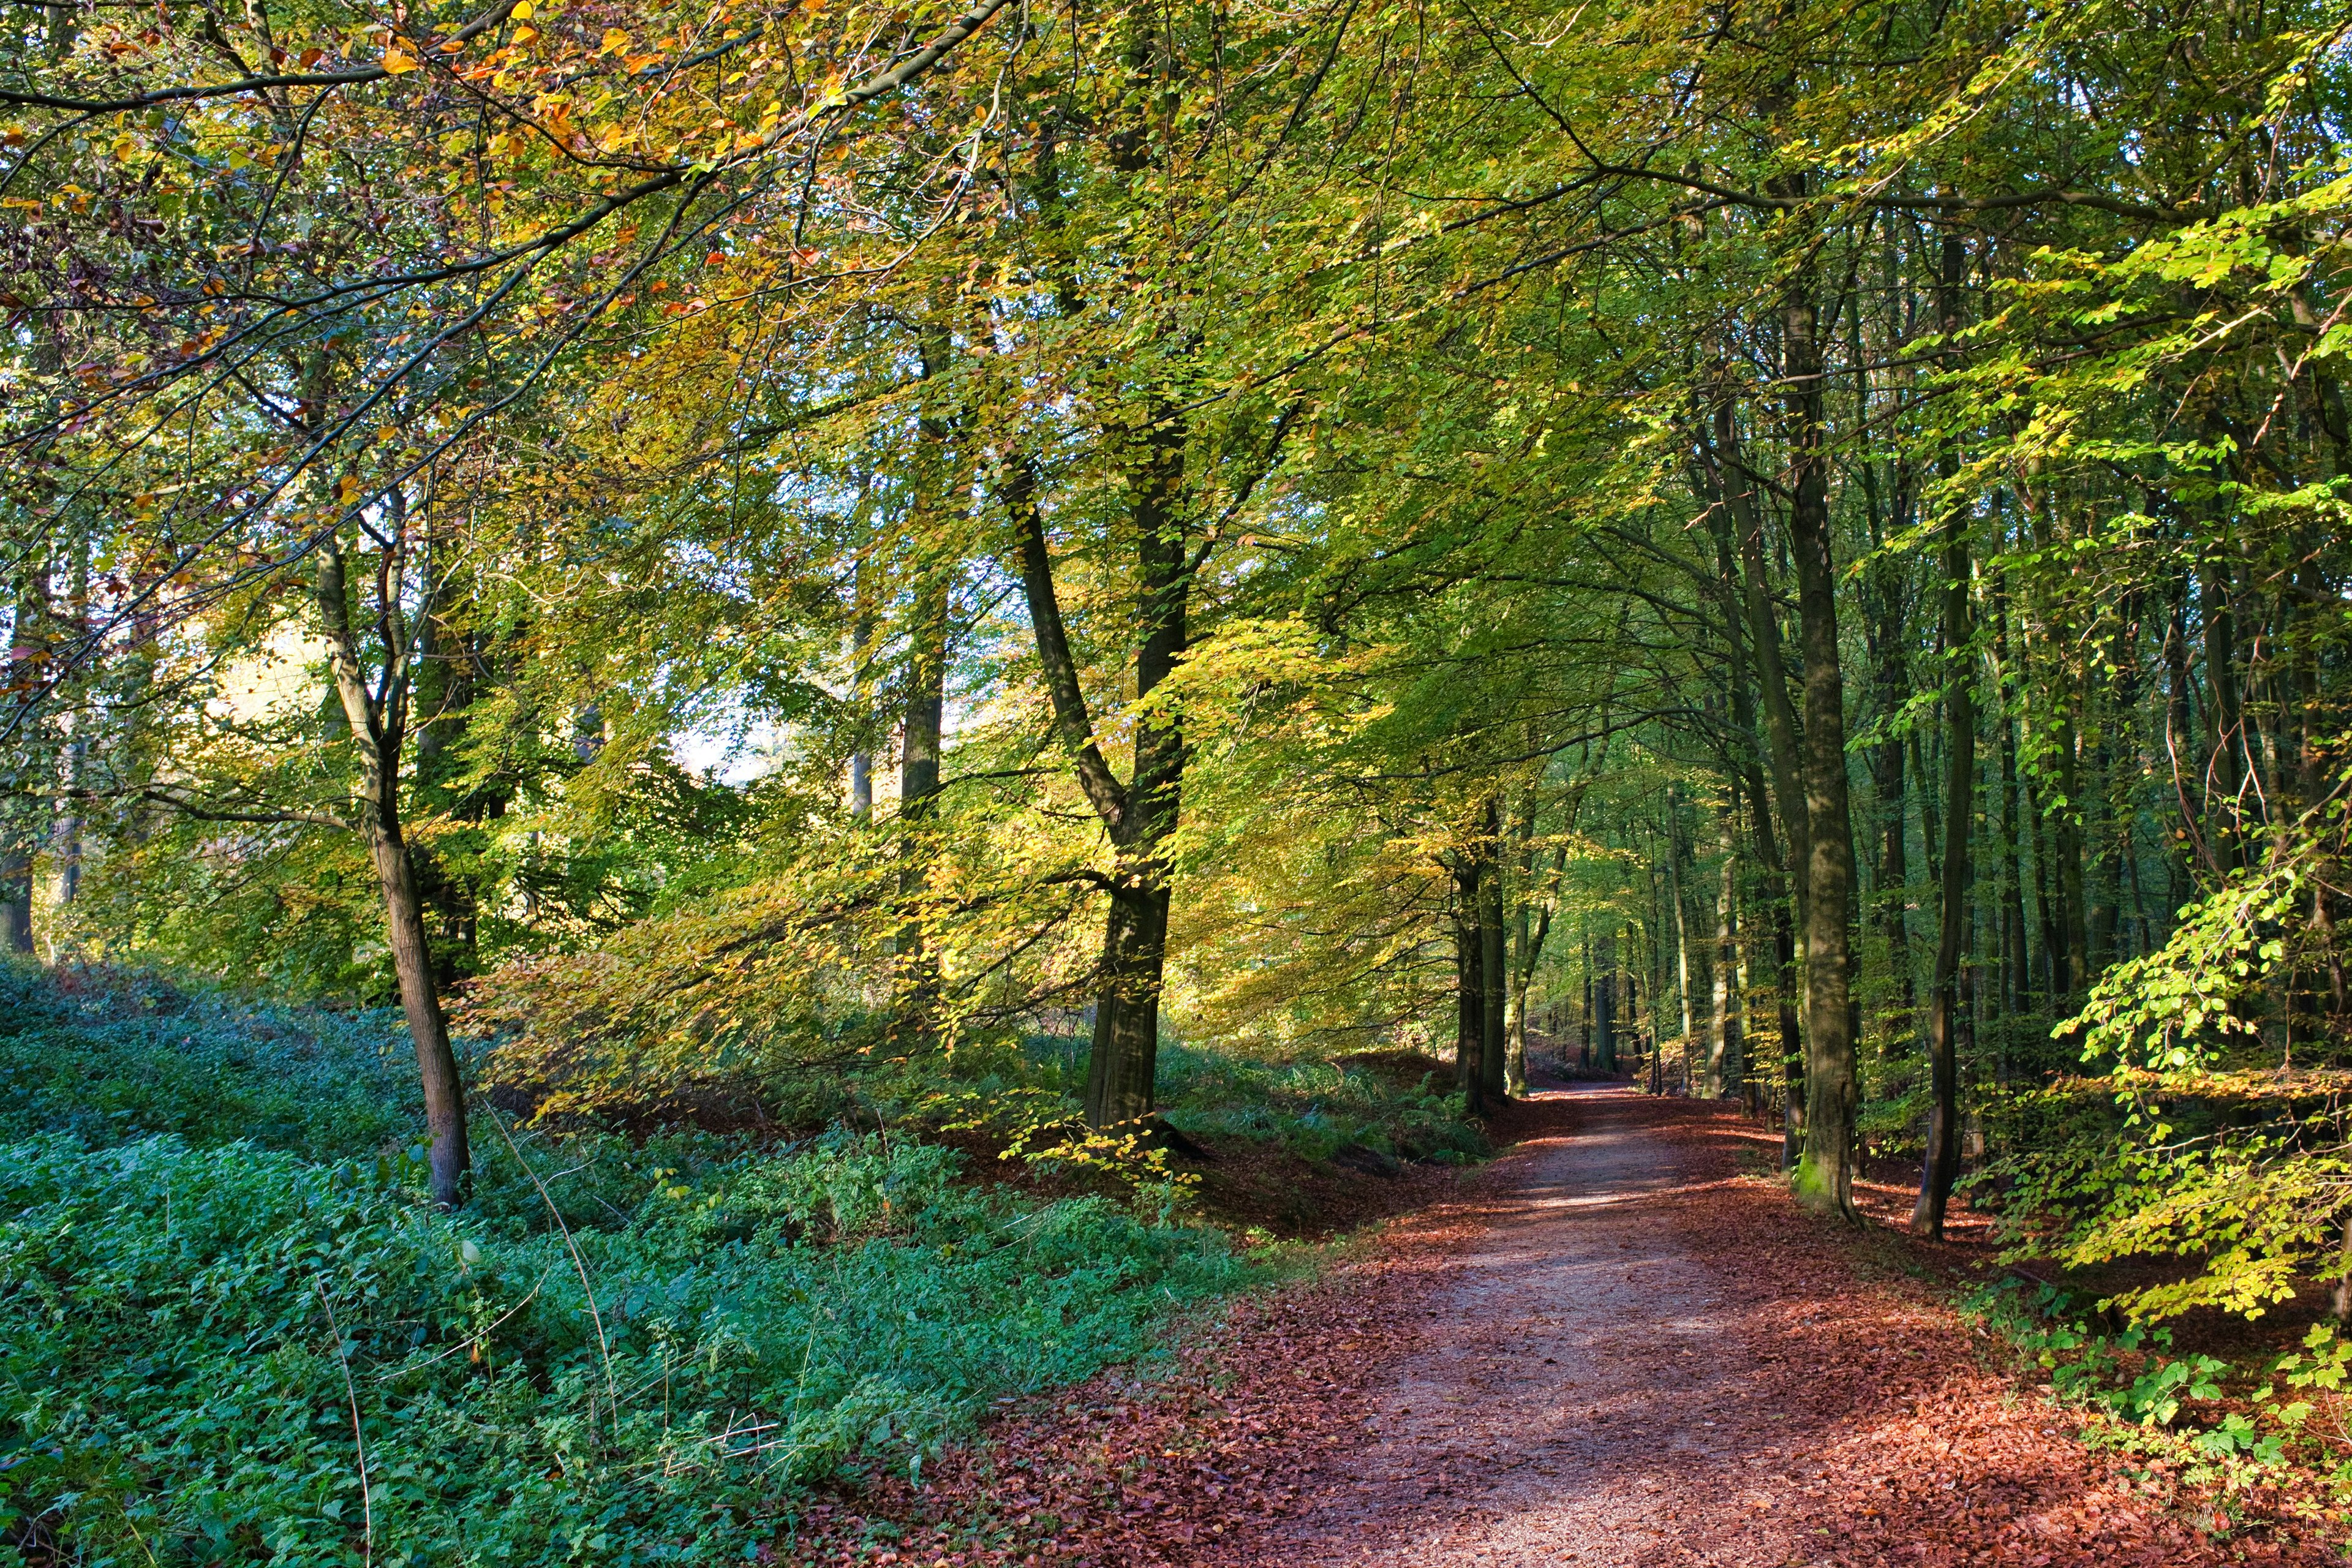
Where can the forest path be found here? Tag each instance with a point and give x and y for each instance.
(1619, 1344)
(1647, 1357)
(1569, 1369)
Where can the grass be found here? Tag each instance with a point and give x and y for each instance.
(224, 1298)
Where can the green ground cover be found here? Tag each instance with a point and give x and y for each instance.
(225, 1296)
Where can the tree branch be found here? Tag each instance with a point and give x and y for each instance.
(1072, 722)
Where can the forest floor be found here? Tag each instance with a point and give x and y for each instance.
(1618, 1344)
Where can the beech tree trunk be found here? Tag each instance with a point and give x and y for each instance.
(916, 970)
(1604, 1004)
(1519, 966)
(1674, 855)
(16, 899)
(1823, 1177)
(1469, 984)
(1784, 879)
(1941, 1166)
(18, 834)
(1492, 1084)
(451, 1156)
(1724, 1068)
(863, 572)
(1740, 565)
(1127, 1008)
(915, 1012)
(378, 724)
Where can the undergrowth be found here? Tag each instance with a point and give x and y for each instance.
(1316, 1108)
(2225, 1430)
(232, 1328)
(1026, 1095)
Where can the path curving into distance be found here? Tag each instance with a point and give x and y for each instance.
(1619, 1344)
(1647, 1358)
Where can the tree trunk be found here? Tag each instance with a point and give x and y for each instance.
(1783, 749)
(1887, 782)
(1823, 1177)
(918, 756)
(862, 630)
(1941, 1166)
(1126, 1054)
(1675, 852)
(16, 899)
(1724, 1069)
(2225, 724)
(1515, 1021)
(1470, 983)
(915, 1016)
(2067, 830)
(74, 762)
(1530, 927)
(19, 835)
(378, 728)
(1493, 1080)
(1584, 1058)
(2055, 981)
(1155, 794)
(420, 1002)
(917, 969)
(1741, 537)
(1604, 1004)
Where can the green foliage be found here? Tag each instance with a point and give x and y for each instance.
(171, 1368)
(2247, 1433)
(107, 1056)
(641, 1355)
(2119, 1376)
(1316, 1107)
(2211, 1148)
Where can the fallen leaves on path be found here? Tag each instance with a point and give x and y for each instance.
(1867, 1430)
(1909, 1442)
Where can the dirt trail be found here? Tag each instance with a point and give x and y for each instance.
(1640, 1362)
(1619, 1344)
(1570, 1366)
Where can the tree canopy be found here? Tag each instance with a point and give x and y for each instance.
(1799, 547)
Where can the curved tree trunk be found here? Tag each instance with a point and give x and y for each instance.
(420, 1002)
(378, 727)
(1140, 815)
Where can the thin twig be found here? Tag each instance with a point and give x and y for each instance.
(603, 1346)
(351, 1389)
